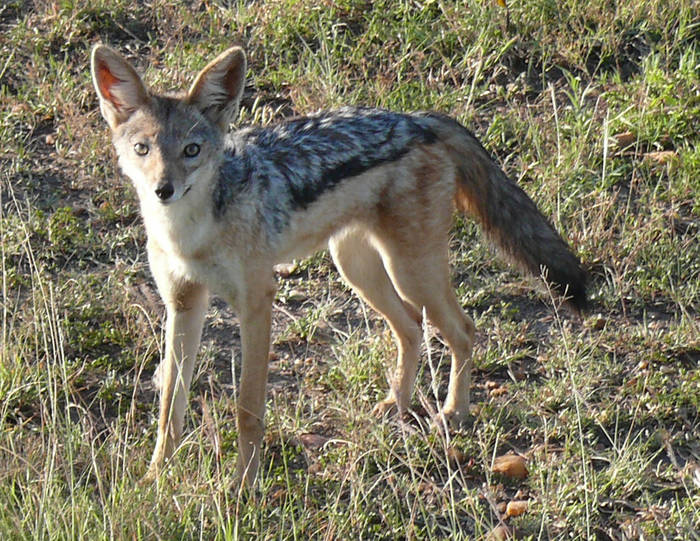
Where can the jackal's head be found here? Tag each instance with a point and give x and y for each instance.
(166, 144)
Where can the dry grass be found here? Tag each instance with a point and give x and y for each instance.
(573, 98)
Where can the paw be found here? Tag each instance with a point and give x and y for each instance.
(151, 476)
(385, 407)
(455, 418)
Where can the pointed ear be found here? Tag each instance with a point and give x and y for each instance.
(118, 86)
(218, 88)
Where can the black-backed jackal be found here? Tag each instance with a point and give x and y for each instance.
(221, 209)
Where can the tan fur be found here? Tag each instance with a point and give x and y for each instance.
(387, 229)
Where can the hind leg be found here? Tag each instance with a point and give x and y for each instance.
(361, 266)
(420, 273)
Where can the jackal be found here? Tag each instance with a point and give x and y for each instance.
(221, 209)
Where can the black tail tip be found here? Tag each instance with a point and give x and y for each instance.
(576, 298)
(579, 300)
(569, 282)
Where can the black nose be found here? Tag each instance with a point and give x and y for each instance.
(165, 190)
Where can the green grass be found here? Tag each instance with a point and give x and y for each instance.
(605, 409)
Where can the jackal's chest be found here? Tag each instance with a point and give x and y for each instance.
(189, 244)
(221, 275)
(218, 269)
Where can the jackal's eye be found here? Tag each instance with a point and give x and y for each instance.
(191, 150)
(141, 149)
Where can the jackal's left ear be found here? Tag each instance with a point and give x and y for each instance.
(218, 88)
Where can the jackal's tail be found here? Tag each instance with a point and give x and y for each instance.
(507, 215)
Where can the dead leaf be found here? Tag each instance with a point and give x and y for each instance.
(662, 157)
(314, 468)
(20, 108)
(313, 441)
(499, 391)
(517, 373)
(500, 533)
(285, 270)
(278, 496)
(597, 323)
(510, 466)
(455, 456)
(516, 508)
(624, 139)
(642, 365)
(296, 295)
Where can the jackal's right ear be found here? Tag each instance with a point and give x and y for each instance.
(218, 88)
(118, 86)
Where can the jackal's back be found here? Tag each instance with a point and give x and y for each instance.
(292, 164)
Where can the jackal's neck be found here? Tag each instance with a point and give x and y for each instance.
(184, 225)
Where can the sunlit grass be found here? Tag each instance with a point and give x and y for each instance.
(605, 410)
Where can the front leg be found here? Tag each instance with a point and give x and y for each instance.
(255, 309)
(186, 305)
